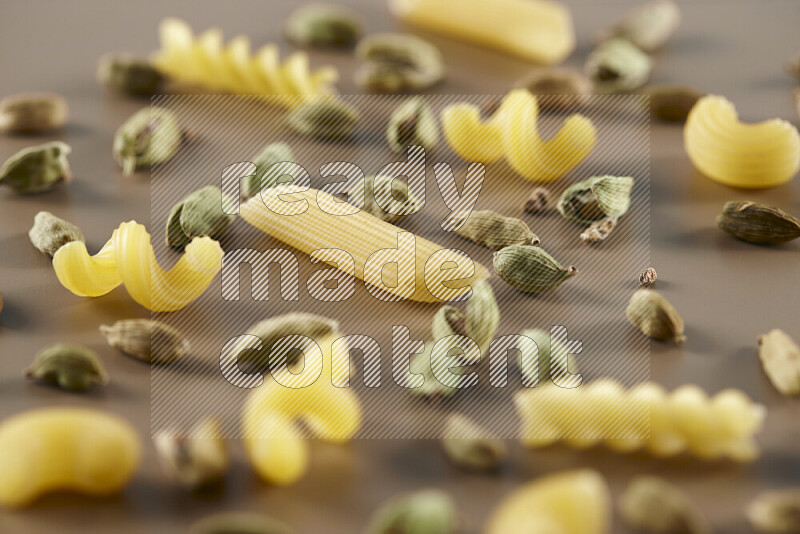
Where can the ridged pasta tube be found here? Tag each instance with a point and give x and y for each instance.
(511, 132)
(644, 417)
(128, 258)
(758, 155)
(205, 61)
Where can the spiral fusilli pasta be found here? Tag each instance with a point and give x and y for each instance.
(128, 258)
(511, 132)
(764, 154)
(644, 417)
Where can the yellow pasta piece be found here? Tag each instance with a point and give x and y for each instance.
(644, 417)
(308, 227)
(511, 132)
(128, 258)
(537, 30)
(205, 61)
(758, 155)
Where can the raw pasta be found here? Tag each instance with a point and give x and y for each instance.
(128, 258)
(645, 417)
(758, 155)
(511, 132)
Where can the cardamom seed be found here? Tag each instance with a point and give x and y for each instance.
(649, 27)
(467, 445)
(151, 136)
(652, 504)
(599, 230)
(33, 113)
(323, 25)
(72, 367)
(412, 124)
(384, 197)
(655, 316)
(596, 198)
(648, 277)
(559, 88)
(538, 202)
(37, 169)
(428, 511)
(616, 66)
(494, 231)
(554, 362)
(150, 341)
(199, 214)
(268, 173)
(530, 269)
(479, 323)
(397, 62)
(196, 461)
(324, 118)
(672, 103)
(793, 66)
(780, 357)
(775, 512)
(49, 233)
(758, 223)
(238, 523)
(130, 75)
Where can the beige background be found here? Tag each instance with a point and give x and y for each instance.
(728, 292)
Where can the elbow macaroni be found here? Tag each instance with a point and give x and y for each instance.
(758, 155)
(511, 132)
(128, 258)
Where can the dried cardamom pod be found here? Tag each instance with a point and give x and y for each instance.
(199, 214)
(649, 27)
(651, 504)
(49, 233)
(431, 388)
(33, 113)
(384, 197)
(559, 88)
(448, 321)
(426, 511)
(147, 340)
(195, 461)
(37, 169)
(326, 118)
(596, 198)
(530, 269)
(599, 230)
(648, 277)
(758, 223)
(553, 360)
(672, 103)
(467, 445)
(655, 316)
(538, 202)
(479, 323)
(494, 231)
(268, 173)
(775, 512)
(616, 66)
(151, 136)
(130, 75)
(238, 523)
(72, 367)
(397, 62)
(780, 357)
(324, 25)
(412, 124)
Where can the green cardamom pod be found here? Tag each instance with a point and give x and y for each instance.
(648, 277)
(530, 269)
(448, 321)
(538, 202)
(599, 230)
(672, 103)
(775, 512)
(655, 316)
(651, 504)
(199, 214)
(649, 27)
(195, 461)
(494, 231)
(324, 25)
(554, 362)
(268, 173)
(151, 136)
(37, 169)
(596, 198)
(412, 124)
(238, 523)
(426, 511)
(49, 233)
(150, 341)
(616, 66)
(479, 323)
(325, 118)
(780, 357)
(397, 62)
(432, 389)
(559, 88)
(130, 75)
(378, 191)
(758, 223)
(72, 367)
(466, 445)
(33, 113)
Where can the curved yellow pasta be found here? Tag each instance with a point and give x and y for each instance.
(128, 258)
(205, 61)
(645, 417)
(758, 155)
(511, 132)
